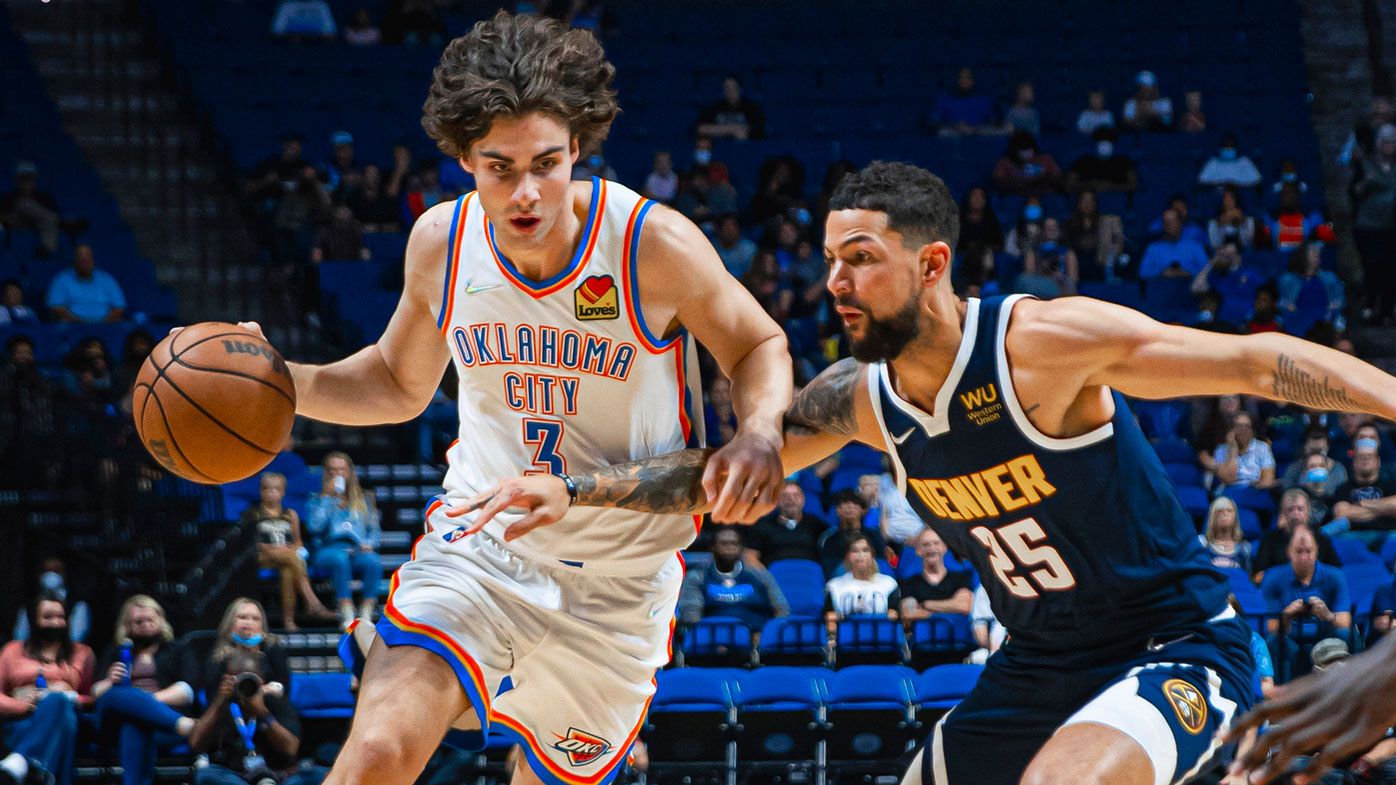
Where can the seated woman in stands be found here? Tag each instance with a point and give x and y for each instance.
(44, 682)
(279, 547)
(862, 591)
(1222, 537)
(144, 690)
(244, 629)
(344, 534)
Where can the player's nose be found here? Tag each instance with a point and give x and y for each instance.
(526, 195)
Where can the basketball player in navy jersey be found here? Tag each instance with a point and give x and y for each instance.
(1006, 424)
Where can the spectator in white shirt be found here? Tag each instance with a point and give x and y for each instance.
(1229, 167)
(1243, 459)
(1095, 115)
(303, 19)
(862, 590)
(12, 307)
(362, 31)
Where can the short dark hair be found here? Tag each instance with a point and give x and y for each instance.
(510, 65)
(849, 495)
(1315, 431)
(917, 203)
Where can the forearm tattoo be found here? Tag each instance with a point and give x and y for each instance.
(671, 483)
(1296, 385)
(825, 405)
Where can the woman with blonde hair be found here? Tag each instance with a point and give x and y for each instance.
(244, 629)
(144, 690)
(1223, 539)
(343, 524)
(279, 547)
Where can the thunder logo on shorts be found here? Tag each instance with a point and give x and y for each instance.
(581, 747)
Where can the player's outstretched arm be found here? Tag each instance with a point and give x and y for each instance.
(680, 273)
(1095, 343)
(394, 379)
(828, 413)
(1335, 714)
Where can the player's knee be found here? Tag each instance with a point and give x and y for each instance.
(380, 751)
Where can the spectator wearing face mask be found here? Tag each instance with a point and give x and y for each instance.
(53, 581)
(143, 690)
(1028, 231)
(1365, 506)
(1024, 169)
(594, 165)
(44, 682)
(1103, 169)
(1146, 110)
(1315, 482)
(1315, 443)
(243, 630)
(1295, 512)
(1229, 167)
(1050, 267)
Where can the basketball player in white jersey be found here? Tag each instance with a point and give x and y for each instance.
(570, 311)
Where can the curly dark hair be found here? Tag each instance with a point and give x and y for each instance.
(917, 202)
(511, 65)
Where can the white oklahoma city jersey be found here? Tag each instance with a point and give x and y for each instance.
(563, 375)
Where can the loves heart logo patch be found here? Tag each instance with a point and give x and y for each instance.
(597, 298)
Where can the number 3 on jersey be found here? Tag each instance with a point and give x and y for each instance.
(545, 437)
(1025, 540)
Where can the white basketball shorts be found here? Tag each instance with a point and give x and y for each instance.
(580, 649)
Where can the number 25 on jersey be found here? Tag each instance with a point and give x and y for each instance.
(1022, 560)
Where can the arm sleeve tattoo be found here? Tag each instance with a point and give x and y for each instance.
(673, 483)
(1296, 385)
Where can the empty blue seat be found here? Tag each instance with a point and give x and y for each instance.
(1194, 500)
(870, 639)
(1183, 473)
(943, 686)
(322, 695)
(792, 639)
(802, 583)
(780, 711)
(717, 638)
(869, 712)
(1352, 552)
(942, 632)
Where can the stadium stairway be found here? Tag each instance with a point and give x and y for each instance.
(121, 105)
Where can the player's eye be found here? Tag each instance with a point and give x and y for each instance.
(548, 164)
(499, 168)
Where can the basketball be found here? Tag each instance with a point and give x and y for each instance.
(214, 403)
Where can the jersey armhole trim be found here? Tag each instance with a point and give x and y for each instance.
(875, 394)
(1010, 395)
(630, 254)
(453, 244)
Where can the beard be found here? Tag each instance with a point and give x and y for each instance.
(885, 338)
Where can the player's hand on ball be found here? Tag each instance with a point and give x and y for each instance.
(744, 478)
(543, 498)
(1335, 714)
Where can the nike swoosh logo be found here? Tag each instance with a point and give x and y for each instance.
(471, 288)
(903, 437)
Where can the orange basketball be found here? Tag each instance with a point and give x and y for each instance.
(214, 403)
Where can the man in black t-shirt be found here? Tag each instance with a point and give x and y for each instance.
(733, 116)
(935, 589)
(787, 533)
(1365, 506)
(1102, 169)
(833, 544)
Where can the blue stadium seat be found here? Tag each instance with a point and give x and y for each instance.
(780, 713)
(1169, 299)
(869, 712)
(1250, 523)
(1162, 420)
(1363, 581)
(717, 640)
(1194, 500)
(1245, 496)
(1388, 552)
(1352, 552)
(691, 717)
(1183, 473)
(793, 640)
(802, 583)
(872, 638)
(322, 695)
(942, 632)
(938, 689)
(1174, 451)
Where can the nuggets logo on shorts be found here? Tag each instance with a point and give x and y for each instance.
(597, 299)
(1187, 703)
(581, 747)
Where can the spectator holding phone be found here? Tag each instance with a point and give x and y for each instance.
(343, 524)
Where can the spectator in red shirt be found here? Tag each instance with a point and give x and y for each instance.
(44, 682)
(1024, 169)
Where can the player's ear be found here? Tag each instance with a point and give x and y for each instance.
(935, 262)
(575, 150)
(465, 164)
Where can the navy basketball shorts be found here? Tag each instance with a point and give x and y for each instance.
(1171, 696)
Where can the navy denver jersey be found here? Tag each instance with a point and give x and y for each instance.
(1080, 542)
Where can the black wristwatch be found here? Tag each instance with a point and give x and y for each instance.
(571, 489)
